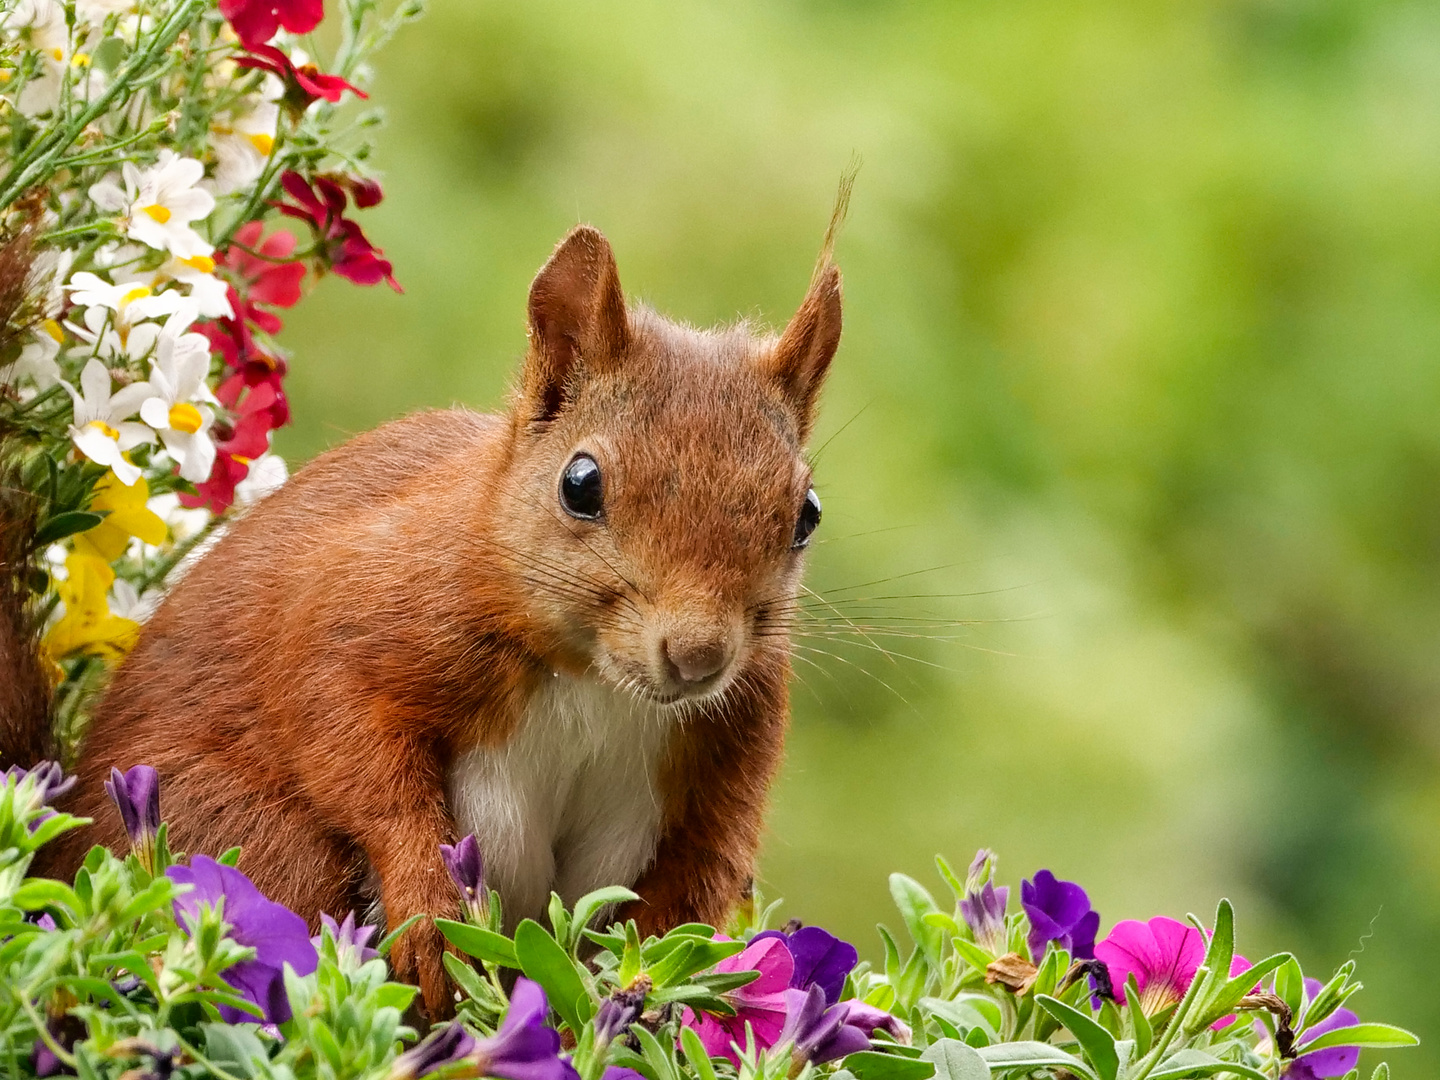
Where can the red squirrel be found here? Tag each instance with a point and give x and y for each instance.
(564, 628)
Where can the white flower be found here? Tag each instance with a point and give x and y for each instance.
(244, 137)
(42, 22)
(267, 474)
(183, 522)
(96, 11)
(100, 431)
(125, 307)
(208, 294)
(177, 381)
(36, 359)
(159, 203)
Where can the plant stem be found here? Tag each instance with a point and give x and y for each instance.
(43, 1029)
(1177, 1023)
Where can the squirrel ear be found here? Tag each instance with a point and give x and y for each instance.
(802, 356)
(577, 311)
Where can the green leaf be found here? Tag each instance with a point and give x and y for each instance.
(696, 1054)
(66, 524)
(465, 976)
(230, 858)
(1222, 941)
(36, 893)
(954, 1060)
(972, 954)
(892, 954)
(394, 935)
(1098, 1044)
(543, 959)
(956, 885)
(589, 905)
(1144, 1033)
(1377, 1035)
(1223, 1001)
(721, 982)
(235, 1049)
(1197, 1063)
(1382, 1072)
(1290, 985)
(480, 943)
(873, 1065)
(914, 904)
(1032, 1055)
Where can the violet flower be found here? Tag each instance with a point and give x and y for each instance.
(620, 1072)
(761, 1003)
(983, 907)
(49, 779)
(616, 1013)
(446, 1046)
(467, 870)
(868, 1019)
(816, 1031)
(821, 959)
(351, 948)
(276, 933)
(1059, 912)
(1323, 1064)
(136, 793)
(524, 1048)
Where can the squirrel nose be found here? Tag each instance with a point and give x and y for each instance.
(694, 662)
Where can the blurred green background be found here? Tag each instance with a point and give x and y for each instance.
(1132, 444)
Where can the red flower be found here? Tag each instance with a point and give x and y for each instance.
(256, 21)
(262, 409)
(217, 493)
(322, 205)
(264, 278)
(304, 85)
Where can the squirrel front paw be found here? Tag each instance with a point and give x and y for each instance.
(416, 958)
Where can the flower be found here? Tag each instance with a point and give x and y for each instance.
(276, 933)
(159, 203)
(88, 626)
(351, 948)
(524, 1048)
(177, 381)
(36, 359)
(816, 1031)
(264, 273)
(869, 1020)
(265, 475)
(446, 1046)
(617, 1012)
(127, 514)
(467, 871)
(47, 781)
(761, 1003)
(209, 296)
(1059, 911)
(243, 138)
(256, 21)
(1331, 1062)
(983, 907)
(821, 959)
(115, 314)
(136, 793)
(1163, 955)
(218, 493)
(100, 430)
(305, 84)
(347, 250)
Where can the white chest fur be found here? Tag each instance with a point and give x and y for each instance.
(571, 802)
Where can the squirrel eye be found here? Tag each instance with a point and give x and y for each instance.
(581, 493)
(809, 518)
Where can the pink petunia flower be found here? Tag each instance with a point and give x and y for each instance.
(761, 1003)
(1163, 955)
(305, 84)
(257, 21)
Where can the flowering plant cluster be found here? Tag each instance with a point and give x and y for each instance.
(172, 174)
(153, 966)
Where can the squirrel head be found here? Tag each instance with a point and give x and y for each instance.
(657, 499)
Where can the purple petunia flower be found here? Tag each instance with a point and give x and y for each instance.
(467, 870)
(620, 1072)
(869, 1020)
(1323, 1064)
(1059, 912)
(351, 948)
(983, 907)
(821, 959)
(276, 933)
(524, 1048)
(136, 793)
(761, 1003)
(450, 1044)
(616, 1013)
(50, 782)
(818, 1032)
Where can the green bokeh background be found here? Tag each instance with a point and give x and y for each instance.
(1138, 403)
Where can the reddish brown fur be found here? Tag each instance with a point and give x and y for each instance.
(304, 686)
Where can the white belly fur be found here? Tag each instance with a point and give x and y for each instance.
(571, 802)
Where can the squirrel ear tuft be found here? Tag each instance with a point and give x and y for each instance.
(577, 314)
(802, 356)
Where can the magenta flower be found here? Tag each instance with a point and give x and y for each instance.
(821, 959)
(136, 794)
(321, 203)
(1059, 912)
(761, 1003)
(1163, 955)
(276, 933)
(1323, 1064)
(819, 1032)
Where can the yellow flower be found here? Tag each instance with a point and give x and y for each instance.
(88, 626)
(128, 516)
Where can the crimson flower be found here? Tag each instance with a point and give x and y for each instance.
(321, 204)
(265, 277)
(761, 1003)
(304, 85)
(256, 21)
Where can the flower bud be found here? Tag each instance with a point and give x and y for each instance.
(467, 870)
(136, 794)
(983, 907)
(448, 1045)
(618, 1011)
